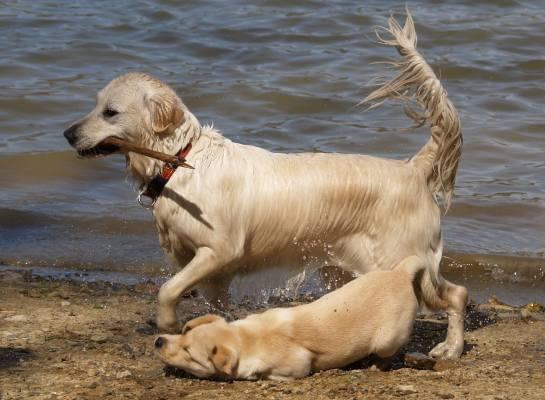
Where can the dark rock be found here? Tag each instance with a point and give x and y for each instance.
(419, 361)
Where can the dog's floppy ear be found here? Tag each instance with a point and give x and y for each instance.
(203, 319)
(224, 359)
(166, 112)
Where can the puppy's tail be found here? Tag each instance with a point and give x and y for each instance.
(416, 81)
(424, 289)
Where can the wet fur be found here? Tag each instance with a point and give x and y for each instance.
(245, 208)
(373, 314)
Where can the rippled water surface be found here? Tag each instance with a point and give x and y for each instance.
(278, 74)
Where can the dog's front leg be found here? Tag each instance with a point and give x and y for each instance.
(204, 263)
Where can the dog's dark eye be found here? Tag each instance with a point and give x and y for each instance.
(109, 112)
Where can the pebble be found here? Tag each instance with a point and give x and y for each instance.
(17, 318)
(126, 348)
(419, 361)
(58, 293)
(406, 389)
(99, 338)
(65, 303)
(443, 365)
(146, 330)
(123, 374)
(91, 385)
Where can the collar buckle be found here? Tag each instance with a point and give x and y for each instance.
(147, 204)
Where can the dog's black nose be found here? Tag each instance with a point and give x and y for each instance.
(159, 342)
(71, 134)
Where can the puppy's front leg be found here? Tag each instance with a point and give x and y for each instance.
(204, 263)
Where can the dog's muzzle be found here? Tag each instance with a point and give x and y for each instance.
(71, 134)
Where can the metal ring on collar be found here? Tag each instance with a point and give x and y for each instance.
(147, 204)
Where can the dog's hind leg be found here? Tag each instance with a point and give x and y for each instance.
(456, 297)
(205, 263)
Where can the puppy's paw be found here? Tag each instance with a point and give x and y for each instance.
(447, 351)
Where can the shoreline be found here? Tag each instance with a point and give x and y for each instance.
(515, 279)
(61, 339)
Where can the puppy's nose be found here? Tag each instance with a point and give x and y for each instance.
(159, 342)
(71, 134)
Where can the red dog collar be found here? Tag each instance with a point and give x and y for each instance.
(155, 187)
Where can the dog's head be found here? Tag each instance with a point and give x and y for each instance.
(135, 107)
(206, 348)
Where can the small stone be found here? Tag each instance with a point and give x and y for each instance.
(59, 294)
(17, 318)
(126, 348)
(445, 395)
(65, 303)
(92, 385)
(534, 307)
(123, 374)
(443, 365)
(92, 372)
(99, 338)
(146, 330)
(405, 389)
(419, 361)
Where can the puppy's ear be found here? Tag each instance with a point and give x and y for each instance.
(166, 113)
(224, 359)
(203, 319)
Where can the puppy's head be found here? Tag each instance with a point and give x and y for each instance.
(135, 107)
(206, 348)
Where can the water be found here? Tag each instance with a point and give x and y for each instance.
(281, 75)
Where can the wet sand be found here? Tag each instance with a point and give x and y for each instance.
(68, 340)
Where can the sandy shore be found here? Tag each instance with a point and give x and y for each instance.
(66, 340)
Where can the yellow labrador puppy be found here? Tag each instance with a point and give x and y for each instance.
(243, 208)
(373, 314)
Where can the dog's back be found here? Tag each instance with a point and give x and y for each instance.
(324, 205)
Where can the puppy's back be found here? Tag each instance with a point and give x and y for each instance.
(372, 314)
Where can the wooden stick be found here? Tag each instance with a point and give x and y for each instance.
(127, 146)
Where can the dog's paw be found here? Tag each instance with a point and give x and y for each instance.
(168, 326)
(447, 351)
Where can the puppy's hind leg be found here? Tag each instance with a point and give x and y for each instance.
(456, 297)
(205, 263)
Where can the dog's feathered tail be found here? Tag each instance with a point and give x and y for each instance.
(416, 80)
